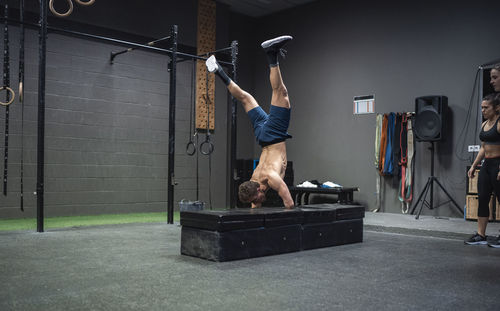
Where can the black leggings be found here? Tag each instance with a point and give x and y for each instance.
(487, 183)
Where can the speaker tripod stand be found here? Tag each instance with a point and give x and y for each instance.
(429, 188)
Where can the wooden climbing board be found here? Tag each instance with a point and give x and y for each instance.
(205, 44)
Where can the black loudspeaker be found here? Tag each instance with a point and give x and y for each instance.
(430, 113)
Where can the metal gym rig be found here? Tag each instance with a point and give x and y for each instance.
(174, 54)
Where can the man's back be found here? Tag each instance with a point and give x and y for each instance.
(272, 161)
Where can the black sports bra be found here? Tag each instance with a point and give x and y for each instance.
(491, 136)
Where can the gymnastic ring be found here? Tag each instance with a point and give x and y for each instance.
(21, 94)
(190, 148)
(90, 2)
(12, 97)
(210, 147)
(70, 10)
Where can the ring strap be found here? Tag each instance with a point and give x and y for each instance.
(9, 96)
(21, 98)
(21, 90)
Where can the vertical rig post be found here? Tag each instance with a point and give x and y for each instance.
(42, 49)
(232, 132)
(171, 128)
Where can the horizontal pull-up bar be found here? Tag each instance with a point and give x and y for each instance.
(218, 51)
(233, 49)
(113, 40)
(151, 43)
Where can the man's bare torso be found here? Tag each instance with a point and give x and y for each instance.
(272, 159)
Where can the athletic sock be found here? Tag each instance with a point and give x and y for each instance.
(225, 78)
(272, 58)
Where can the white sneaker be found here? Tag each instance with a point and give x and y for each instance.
(275, 43)
(211, 63)
(307, 184)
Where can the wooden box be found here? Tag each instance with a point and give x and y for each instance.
(472, 205)
(472, 182)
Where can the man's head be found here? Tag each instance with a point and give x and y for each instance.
(250, 191)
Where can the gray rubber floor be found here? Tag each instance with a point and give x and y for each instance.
(138, 267)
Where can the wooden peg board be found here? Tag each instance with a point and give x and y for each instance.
(205, 43)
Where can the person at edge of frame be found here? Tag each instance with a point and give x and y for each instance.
(489, 173)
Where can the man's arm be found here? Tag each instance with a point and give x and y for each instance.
(277, 183)
(256, 205)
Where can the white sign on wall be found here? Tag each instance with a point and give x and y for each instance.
(364, 104)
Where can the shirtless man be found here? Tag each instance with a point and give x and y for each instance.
(270, 129)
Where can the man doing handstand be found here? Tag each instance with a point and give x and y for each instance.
(270, 129)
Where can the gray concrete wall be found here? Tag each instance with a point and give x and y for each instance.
(396, 50)
(107, 125)
(243, 29)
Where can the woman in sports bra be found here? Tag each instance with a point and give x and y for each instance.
(489, 174)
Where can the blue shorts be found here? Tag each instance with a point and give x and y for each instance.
(270, 128)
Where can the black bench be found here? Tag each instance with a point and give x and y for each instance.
(246, 233)
(344, 195)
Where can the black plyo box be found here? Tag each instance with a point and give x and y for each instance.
(227, 220)
(349, 211)
(314, 213)
(319, 213)
(241, 218)
(246, 233)
(348, 231)
(276, 217)
(334, 233)
(240, 244)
